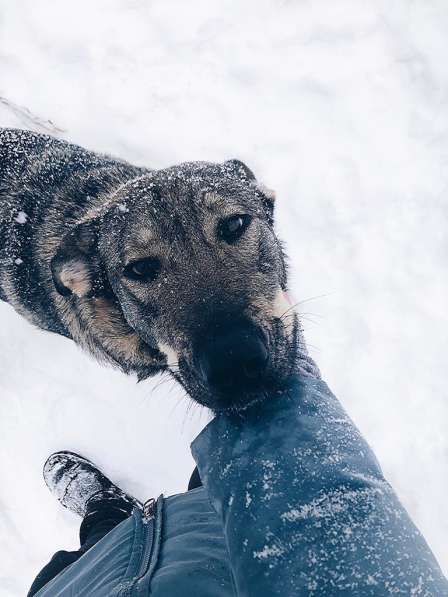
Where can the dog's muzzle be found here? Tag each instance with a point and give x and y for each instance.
(232, 359)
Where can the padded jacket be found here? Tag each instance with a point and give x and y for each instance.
(293, 503)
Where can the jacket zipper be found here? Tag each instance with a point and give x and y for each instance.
(148, 516)
(148, 508)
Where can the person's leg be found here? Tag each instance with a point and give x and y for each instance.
(195, 480)
(101, 517)
(58, 562)
(82, 488)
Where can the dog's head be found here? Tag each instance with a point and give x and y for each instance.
(189, 260)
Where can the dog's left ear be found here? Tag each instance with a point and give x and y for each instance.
(244, 173)
(76, 267)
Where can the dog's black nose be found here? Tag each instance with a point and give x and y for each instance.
(232, 359)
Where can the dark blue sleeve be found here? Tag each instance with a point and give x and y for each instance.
(304, 505)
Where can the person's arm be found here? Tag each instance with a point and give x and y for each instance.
(304, 504)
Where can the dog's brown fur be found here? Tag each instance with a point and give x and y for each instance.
(72, 221)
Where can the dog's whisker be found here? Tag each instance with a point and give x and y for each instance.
(314, 298)
(288, 313)
(309, 320)
(301, 313)
(190, 408)
(165, 378)
(311, 298)
(288, 310)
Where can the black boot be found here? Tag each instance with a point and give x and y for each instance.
(78, 484)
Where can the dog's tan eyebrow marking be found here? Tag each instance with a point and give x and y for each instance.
(142, 236)
(212, 199)
(141, 244)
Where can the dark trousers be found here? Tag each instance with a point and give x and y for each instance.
(101, 517)
(95, 525)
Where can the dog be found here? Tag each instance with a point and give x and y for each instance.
(176, 270)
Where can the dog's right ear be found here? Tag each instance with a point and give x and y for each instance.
(76, 267)
(244, 173)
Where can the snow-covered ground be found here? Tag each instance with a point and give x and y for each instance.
(342, 107)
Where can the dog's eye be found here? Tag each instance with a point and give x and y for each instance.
(145, 270)
(233, 227)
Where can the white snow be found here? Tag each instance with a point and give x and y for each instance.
(328, 505)
(269, 551)
(21, 218)
(339, 106)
